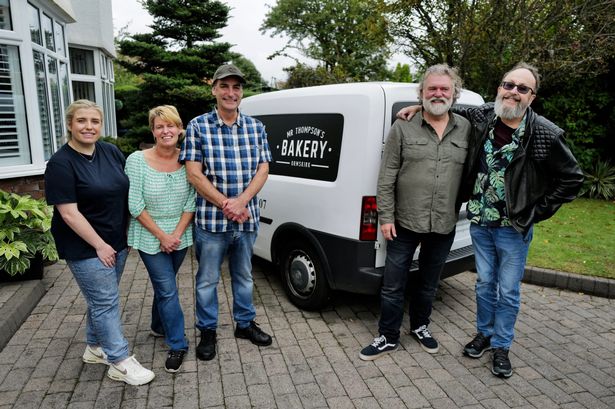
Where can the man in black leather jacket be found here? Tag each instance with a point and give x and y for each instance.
(519, 172)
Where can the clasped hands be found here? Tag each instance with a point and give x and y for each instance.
(235, 209)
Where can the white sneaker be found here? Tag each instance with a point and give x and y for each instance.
(130, 371)
(94, 355)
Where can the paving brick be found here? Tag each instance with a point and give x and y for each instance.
(290, 400)
(86, 405)
(62, 385)
(185, 391)
(29, 358)
(234, 384)
(37, 384)
(311, 396)
(342, 402)
(366, 403)
(429, 389)
(85, 391)
(210, 394)
(590, 401)
(380, 388)
(110, 397)
(56, 400)
(10, 354)
(301, 374)
(30, 399)
(458, 393)
(394, 375)
(15, 379)
(551, 390)
(314, 359)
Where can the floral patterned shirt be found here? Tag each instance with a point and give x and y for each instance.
(487, 205)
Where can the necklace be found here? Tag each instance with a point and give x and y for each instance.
(89, 158)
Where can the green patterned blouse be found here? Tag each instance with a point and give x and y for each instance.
(165, 196)
(487, 205)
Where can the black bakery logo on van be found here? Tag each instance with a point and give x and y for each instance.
(304, 145)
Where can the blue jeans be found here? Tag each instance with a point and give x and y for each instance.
(167, 314)
(422, 283)
(500, 254)
(100, 288)
(211, 249)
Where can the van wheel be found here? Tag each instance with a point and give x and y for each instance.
(303, 277)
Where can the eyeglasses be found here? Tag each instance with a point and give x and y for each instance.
(522, 89)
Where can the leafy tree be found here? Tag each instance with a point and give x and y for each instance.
(302, 75)
(347, 38)
(401, 73)
(175, 62)
(253, 77)
(571, 41)
(483, 38)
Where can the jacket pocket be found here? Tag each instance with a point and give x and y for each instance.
(459, 150)
(417, 149)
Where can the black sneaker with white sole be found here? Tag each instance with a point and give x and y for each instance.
(477, 347)
(427, 342)
(174, 360)
(378, 348)
(501, 364)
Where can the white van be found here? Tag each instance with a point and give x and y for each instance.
(319, 223)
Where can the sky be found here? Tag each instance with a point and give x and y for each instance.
(242, 31)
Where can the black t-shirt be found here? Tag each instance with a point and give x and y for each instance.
(99, 186)
(502, 134)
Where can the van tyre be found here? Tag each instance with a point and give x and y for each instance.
(303, 276)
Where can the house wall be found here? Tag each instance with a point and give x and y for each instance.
(93, 26)
(37, 81)
(27, 185)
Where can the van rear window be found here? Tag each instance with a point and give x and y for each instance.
(304, 145)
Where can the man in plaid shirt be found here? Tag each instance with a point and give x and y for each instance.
(227, 161)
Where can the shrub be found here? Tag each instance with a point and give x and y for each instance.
(600, 181)
(24, 231)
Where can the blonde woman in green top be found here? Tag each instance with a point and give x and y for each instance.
(162, 203)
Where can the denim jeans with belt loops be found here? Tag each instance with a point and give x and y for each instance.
(500, 254)
(422, 283)
(211, 248)
(100, 288)
(167, 314)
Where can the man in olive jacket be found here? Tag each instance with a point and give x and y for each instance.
(418, 184)
(519, 172)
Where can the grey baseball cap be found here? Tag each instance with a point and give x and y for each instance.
(228, 70)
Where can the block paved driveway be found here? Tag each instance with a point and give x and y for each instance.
(564, 355)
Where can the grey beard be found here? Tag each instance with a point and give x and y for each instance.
(506, 112)
(437, 109)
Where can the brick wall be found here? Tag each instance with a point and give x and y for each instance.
(28, 185)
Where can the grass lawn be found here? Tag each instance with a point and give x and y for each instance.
(580, 239)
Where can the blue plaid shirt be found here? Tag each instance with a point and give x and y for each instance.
(230, 157)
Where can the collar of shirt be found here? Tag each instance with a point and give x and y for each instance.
(449, 126)
(516, 136)
(215, 118)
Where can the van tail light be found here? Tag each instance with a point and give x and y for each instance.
(369, 219)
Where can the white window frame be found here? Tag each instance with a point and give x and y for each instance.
(20, 37)
(104, 87)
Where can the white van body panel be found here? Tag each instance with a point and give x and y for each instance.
(321, 205)
(332, 207)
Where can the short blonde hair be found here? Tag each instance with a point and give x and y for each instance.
(167, 113)
(74, 107)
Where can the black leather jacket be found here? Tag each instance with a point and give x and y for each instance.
(542, 175)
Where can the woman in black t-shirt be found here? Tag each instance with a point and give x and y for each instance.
(85, 181)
